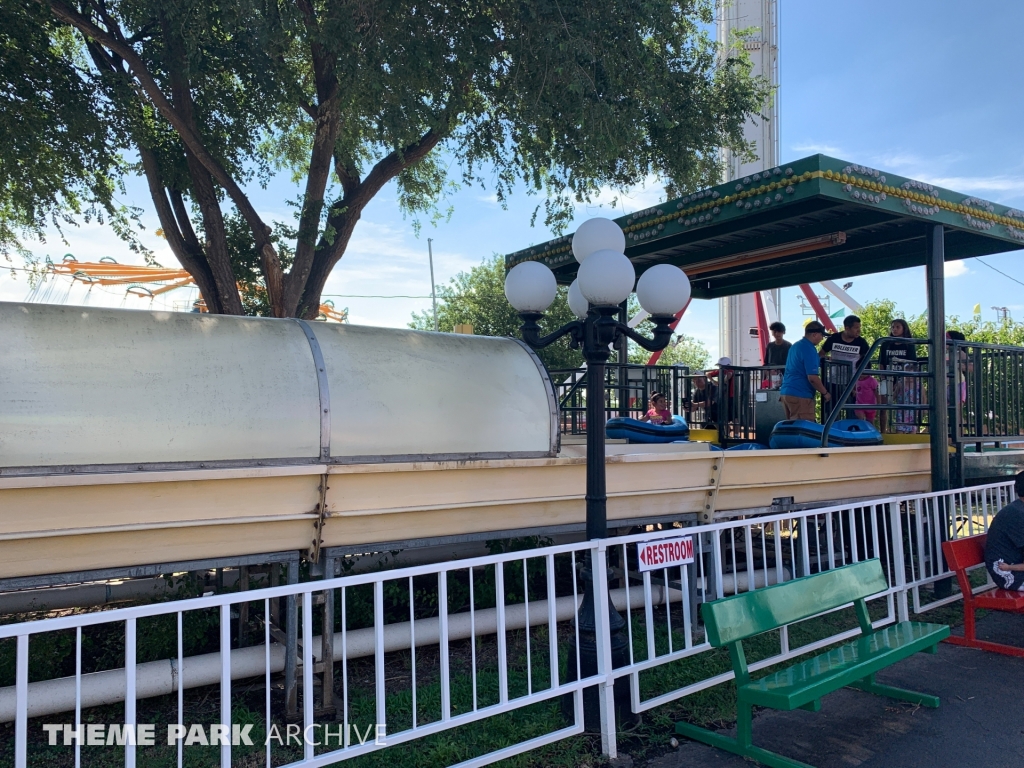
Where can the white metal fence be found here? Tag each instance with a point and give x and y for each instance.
(389, 657)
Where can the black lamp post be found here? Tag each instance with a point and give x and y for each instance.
(594, 335)
(606, 279)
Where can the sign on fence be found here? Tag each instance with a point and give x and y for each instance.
(665, 553)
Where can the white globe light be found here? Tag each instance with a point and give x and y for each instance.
(530, 287)
(606, 278)
(577, 303)
(663, 289)
(597, 235)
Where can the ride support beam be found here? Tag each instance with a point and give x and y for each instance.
(819, 310)
(763, 336)
(655, 356)
(939, 415)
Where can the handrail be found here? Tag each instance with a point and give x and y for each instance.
(575, 385)
(579, 382)
(861, 367)
(982, 345)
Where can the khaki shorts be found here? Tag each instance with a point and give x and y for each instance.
(798, 407)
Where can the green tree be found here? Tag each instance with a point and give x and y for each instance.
(57, 162)
(1008, 332)
(682, 350)
(478, 297)
(877, 315)
(208, 98)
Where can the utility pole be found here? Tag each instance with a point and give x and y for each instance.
(433, 290)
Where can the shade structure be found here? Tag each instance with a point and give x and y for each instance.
(814, 219)
(85, 388)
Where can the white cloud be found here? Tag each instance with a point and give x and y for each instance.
(615, 203)
(91, 242)
(916, 167)
(925, 169)
(956, 268)
(387, 261)
(1012, 185)
(814, 149)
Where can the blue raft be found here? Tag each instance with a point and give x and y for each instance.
(637, 431)
(845, 433)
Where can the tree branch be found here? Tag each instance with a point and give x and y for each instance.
(185, 249)
(269, 260)
(328, 123)
(184, 222)
(348, 174)
(347, 211)
(204, 193)
(396, 162)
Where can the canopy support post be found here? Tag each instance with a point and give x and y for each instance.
(939, 415)
(938, 418)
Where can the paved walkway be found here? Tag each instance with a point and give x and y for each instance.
(980, 722)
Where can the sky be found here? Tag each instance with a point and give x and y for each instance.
(928, 89)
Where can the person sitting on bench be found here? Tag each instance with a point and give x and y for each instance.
(1004, 547)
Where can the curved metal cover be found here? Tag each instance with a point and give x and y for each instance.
(105, 388)
(397, 393)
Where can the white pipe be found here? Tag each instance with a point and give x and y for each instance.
(740, 582)
(160, 678)
(842, 295)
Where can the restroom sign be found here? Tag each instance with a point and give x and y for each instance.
(665, 553)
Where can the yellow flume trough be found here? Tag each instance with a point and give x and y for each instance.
(70, 523)
(133, 438)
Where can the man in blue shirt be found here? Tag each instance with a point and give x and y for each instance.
(802, 378)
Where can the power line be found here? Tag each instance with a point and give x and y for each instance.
(369, 296)
(1008, 277)
(329, 295)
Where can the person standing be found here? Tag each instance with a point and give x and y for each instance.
(778, 349)
(906, 390)
(802, 378)
(844, 351)
(1004, 545)
(893, 354)
(705, 397)
(847, 345)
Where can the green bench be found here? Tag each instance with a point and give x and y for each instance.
(734, 619)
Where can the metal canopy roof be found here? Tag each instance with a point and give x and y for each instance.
(814, 219)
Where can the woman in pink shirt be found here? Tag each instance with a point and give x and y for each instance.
(659, 412)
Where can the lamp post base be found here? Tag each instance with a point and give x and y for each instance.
(585, 621)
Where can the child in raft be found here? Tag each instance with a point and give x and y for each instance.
(659, 412)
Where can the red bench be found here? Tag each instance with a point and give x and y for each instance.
(967, 553)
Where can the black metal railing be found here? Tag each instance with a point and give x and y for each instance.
(985, 389)
(748, 405)
(842, 377)
(628, 389)
(987, 392)
(896, 403)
